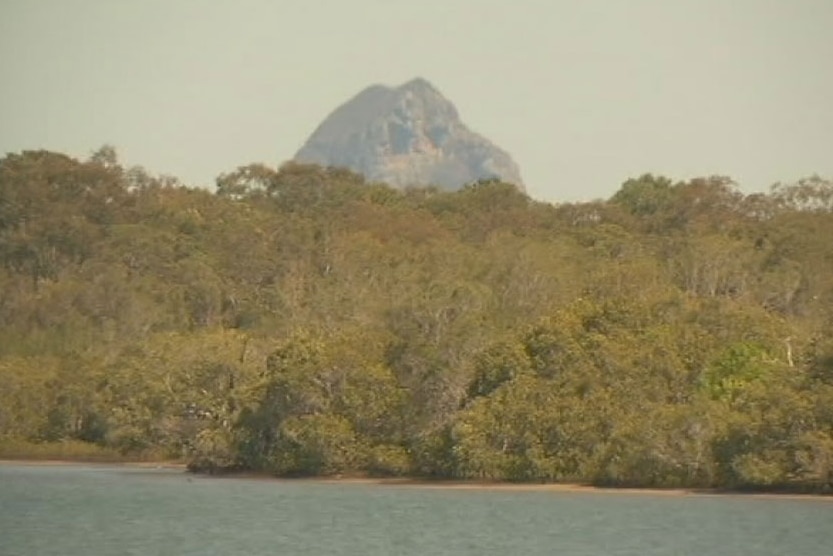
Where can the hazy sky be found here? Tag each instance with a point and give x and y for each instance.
(583, 94)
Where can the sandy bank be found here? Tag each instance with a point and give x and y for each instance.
(95, 463)
(424, 484)
(563, 488)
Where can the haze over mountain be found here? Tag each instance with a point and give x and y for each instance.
(408, 135)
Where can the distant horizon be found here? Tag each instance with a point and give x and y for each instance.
(583, 97)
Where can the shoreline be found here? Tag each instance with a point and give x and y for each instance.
(429, 484)
(49, 462)
(559, 488)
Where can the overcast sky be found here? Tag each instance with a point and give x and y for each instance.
(583, 94)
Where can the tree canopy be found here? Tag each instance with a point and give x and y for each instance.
(302, 321)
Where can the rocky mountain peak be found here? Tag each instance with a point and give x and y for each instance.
(407, 135)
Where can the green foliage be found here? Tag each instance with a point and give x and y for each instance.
(646, 195)
(301, 321)
(496, 365)
(739, 365)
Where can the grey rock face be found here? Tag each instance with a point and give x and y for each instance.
(409, 135)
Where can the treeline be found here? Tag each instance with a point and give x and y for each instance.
(301, 321)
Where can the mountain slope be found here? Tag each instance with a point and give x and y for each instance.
(408, 135)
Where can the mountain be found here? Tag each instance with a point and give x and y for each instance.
(407, 135)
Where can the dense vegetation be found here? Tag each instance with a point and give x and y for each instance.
(300, 321)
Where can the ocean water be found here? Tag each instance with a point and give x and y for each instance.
(100, 510)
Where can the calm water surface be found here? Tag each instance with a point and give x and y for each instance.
(97, 511)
